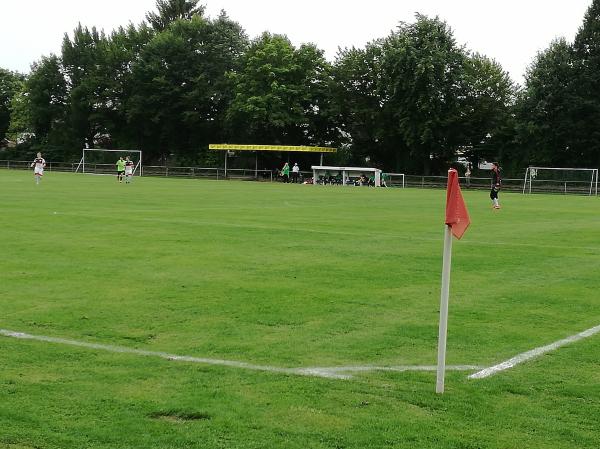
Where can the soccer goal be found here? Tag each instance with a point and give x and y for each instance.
(99, 161)
(394, 180)
(582, 181)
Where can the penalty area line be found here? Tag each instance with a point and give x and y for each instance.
(533, 353)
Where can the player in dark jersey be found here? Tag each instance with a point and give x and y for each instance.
(496, 183)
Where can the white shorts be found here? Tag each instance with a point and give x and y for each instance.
(38, 171)
(128, 172)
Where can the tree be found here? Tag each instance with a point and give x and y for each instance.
(585, 147)
(545, 108)
(47, 96)
(415, 100)
(280, 94)
(356, 95)
(116, 83)
(422, 70)
(170, 11)
(558, 112)
(10, 85)
(20, 119)
(179, 86)
(83, 59)
(485, 109)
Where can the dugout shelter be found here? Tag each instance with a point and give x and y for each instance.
(227, 148)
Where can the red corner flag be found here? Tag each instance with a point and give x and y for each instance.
(457, 216)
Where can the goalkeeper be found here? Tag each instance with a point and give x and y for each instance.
(120, 169)
(496, 183)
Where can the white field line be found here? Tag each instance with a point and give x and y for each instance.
(173, 357)
(326, 372)
(534, 353)
(357, 369)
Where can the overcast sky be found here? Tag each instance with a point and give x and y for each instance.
(510, 31)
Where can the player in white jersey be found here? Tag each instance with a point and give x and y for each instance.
(38, 165)
(128, 170)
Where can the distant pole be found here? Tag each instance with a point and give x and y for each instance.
(321, 163)
(443, 331)
(226, 151)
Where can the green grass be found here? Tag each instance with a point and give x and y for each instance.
(290, 276)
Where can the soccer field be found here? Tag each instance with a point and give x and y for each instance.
(176, 313)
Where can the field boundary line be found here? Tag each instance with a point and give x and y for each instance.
(534, 353)
(341, 372)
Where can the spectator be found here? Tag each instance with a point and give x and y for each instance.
(285, 172)
(295, 172)
(468, 175)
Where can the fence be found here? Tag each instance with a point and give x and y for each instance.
(415, 181)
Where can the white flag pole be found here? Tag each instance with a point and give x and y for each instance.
(441, 363)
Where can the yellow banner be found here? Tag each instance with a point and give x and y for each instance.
(235, 147)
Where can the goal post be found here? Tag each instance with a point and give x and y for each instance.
(583, 181)
(101, 161)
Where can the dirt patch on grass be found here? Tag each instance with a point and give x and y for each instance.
(180, 415)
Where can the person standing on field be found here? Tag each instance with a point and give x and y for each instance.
(295, 172)
(38, 165)
(285, 172)
(496, 183)
(468, 175)
(128, 170)
(120, 169)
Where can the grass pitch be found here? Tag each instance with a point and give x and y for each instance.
(290, 276)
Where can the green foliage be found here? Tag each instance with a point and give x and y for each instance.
(10, 86)
(179, 90)
(546, 106)
(559, 109)
(412, 100)
(586, 147)
(422, 68)
(170, 11)
(47, 102)
(486, 108)
(356, 96)
(280, 94)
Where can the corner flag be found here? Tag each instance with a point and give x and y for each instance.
(457, 216)
(457, 222)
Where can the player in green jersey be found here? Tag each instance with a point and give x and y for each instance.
(120, 169)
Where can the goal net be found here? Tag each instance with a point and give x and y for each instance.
(581, 181)
(99, 161)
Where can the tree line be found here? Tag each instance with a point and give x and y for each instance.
(413, 101)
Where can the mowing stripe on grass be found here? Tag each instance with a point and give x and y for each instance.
(327, 372)
(299, 229)
(534, 353)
